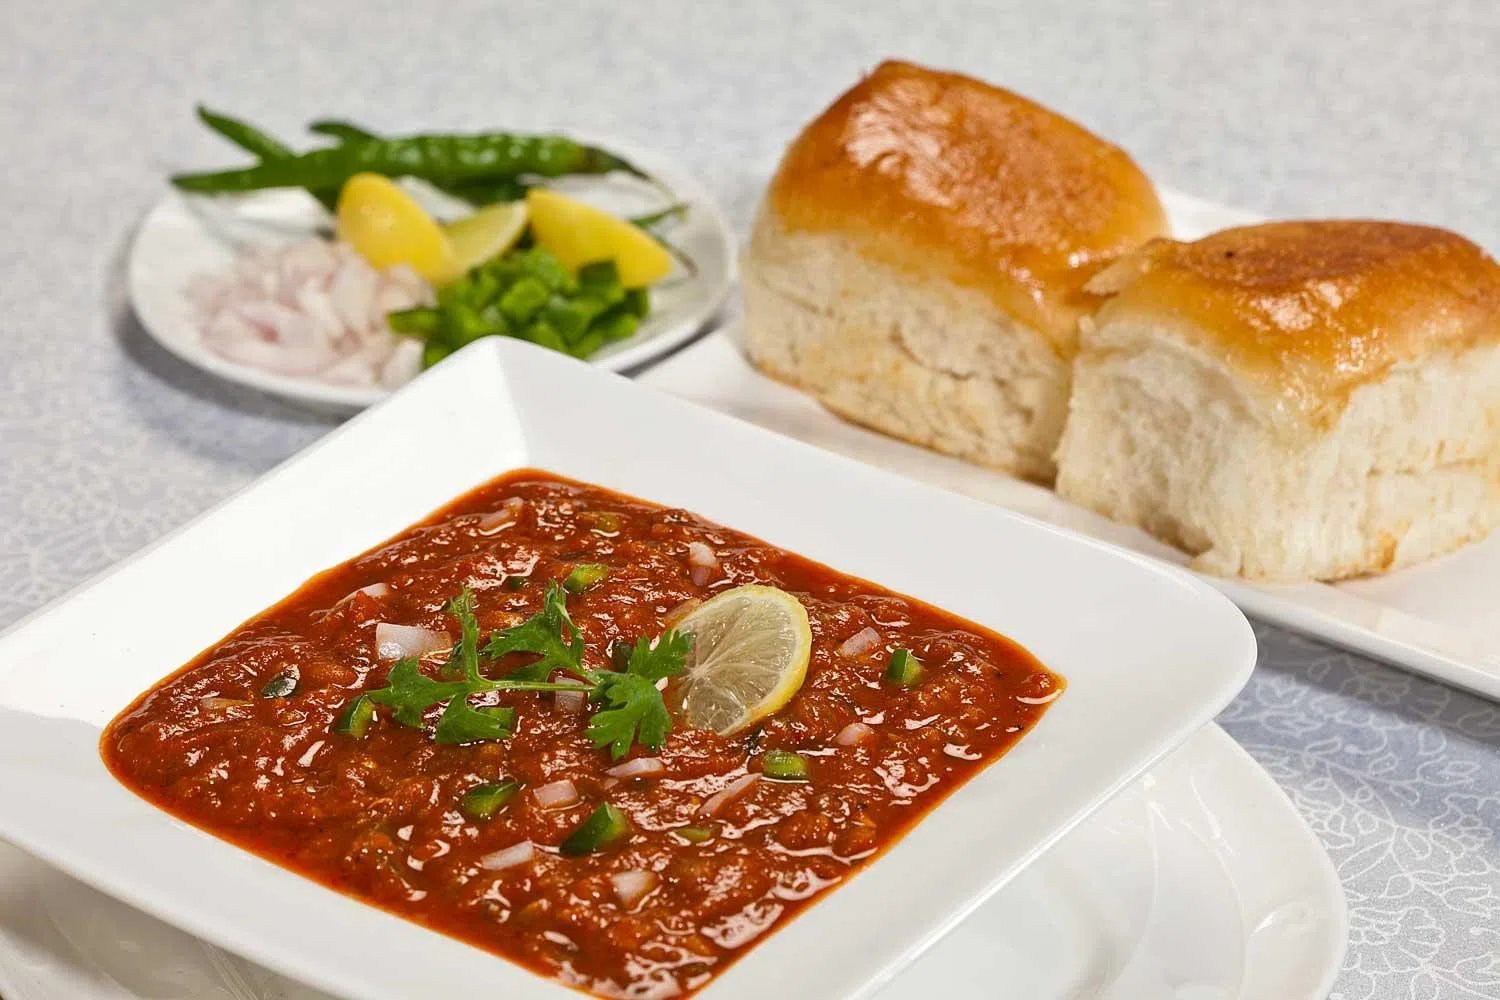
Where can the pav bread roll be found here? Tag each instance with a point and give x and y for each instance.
(1295, 400)
(920, 258)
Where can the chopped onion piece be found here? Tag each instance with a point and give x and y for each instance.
(215, 704)
(633, 886)
(375, 590)
(570, 702)
(509, 857)
(854, 732)
(640, 767)
(393, 642)
(860, 642)
(311, 308)
(739, 786)
(556, 794)
(704, 564)
(509, 513)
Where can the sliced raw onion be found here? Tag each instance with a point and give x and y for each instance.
(570, 702)
(556, 794)
(860, 642)
(393, 642)
(704, 564)
(640, 767)
(739, 786)
(312, 308)
(509, 857)
(632, 886)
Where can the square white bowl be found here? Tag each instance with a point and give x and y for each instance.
(1149, 653)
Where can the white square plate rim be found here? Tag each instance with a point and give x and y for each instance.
(940, 870)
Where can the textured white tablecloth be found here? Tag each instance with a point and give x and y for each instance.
(1347, 107)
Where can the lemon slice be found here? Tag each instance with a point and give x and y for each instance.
(386, 227)
(487, 233)
(749, 656)
(580, 234)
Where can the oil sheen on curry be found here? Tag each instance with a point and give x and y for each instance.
(607, 740)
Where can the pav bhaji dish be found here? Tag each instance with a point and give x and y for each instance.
(607, 740)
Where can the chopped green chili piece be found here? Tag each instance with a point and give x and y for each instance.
(483, 801)
(280, 686)
(616, 325)
(420, 321)
(603, 827)
(904, 669)
(600, 274)
(601, 520)
(355, 719)
(694, 834)
(541, 333)
(584, 576)
(638, 302)
(523, 299)
(783, 765)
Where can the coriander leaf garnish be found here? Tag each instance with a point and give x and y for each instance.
(635, 712)
(466, 654)
(409, 692)
(463, 723)
(542, 633)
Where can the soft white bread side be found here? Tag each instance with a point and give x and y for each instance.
(920, 259)
(924, 360)
(1322, 402)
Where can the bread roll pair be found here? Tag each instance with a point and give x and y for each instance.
(952, 264)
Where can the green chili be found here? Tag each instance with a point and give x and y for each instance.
(479, 192)
(904, 669)
(441, 158)
(355, 720)
(603, 827)
(244, 135)
(341, 130)
(783, 765)
(585, 575)
(483, 801)
(257, 143)
(652, 219)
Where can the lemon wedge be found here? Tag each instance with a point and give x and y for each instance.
(749, 656)
(579, 234)
(386, 227)
(487, 233)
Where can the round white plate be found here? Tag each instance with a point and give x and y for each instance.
(183, 237)
(1199, 882)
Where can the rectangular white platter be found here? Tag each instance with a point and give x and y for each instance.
(1440, 618)
(1150, 655)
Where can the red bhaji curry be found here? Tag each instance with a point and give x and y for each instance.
(466, 726)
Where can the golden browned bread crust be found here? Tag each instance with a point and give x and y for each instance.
(1314, 309)
(937, 172)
